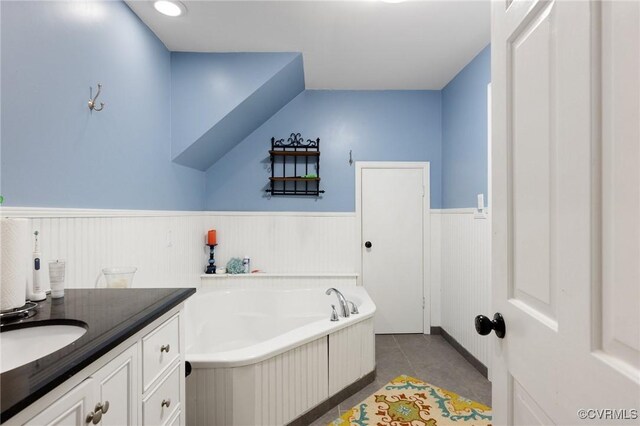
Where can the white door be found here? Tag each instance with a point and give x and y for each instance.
(566, 211)
(392, 204)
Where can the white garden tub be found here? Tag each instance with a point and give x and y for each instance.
(265, 356)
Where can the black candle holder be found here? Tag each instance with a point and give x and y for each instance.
(211, 267)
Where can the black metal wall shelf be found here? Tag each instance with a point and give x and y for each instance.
(294, 177)
(296, 153)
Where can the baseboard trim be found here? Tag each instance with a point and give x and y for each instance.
(319, 410)
(465, 353)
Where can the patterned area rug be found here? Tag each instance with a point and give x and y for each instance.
(406, 401)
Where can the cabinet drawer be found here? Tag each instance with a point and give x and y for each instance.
(155, 411)
(159, 349)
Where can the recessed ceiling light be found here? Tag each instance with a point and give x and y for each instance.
(170, 8)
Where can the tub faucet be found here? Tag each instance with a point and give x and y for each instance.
(344, 307)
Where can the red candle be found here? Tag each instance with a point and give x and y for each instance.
(211, 237)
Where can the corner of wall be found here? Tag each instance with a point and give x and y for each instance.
(234, 122)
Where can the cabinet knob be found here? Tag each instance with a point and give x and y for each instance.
(166, 403)
(103, 407)
(368, 244)
(94, 417)
(165, 348)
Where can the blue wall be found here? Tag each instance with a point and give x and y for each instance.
(218, 99)
(55, 153)
(376, 125)
(464, 134)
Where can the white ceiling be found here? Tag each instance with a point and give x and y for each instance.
(366, 44)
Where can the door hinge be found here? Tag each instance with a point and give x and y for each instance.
(424, 303)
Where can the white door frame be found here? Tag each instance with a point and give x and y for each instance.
(426, 225)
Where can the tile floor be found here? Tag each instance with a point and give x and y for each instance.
(426, 357)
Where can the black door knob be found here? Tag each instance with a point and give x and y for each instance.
(484, 325)
(368, 244)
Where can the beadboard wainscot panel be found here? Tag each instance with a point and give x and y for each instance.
(435, 280)
(168, 247)
(465, 278)
(162, 245)
(288, 242)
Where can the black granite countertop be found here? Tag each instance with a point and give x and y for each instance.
(111, 317)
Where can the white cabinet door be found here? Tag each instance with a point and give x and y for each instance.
(71, 409)
(118, 387)
(566, 211)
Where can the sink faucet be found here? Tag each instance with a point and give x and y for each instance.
(344, 307)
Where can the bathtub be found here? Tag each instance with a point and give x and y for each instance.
(265, 356)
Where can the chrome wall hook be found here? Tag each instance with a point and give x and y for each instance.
(92, 99)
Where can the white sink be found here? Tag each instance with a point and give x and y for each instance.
(21, 346)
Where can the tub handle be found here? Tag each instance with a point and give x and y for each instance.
(354, 308)
(165, 348)
(334, 313)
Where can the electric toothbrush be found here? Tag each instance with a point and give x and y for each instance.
(37, 294)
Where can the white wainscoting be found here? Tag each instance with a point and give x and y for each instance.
(465, 272)
(163, 248)
(168, 247)
(288, 242)
(435, 252)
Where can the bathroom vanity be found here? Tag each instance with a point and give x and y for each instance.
(126, 369)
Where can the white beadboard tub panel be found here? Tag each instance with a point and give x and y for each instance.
(168, 249)
(289, 384)
(351, 355)
(208, 393)
(465, 269)
(368, 348)
(284, 387)
(272, 392)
